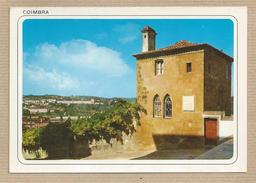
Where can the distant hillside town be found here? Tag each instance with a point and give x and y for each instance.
(38, 111)
(40, 105)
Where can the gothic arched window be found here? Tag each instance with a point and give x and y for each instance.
(167, 107)
(157, 106)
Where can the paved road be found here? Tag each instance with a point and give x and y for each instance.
(222, 151)
(190, 153)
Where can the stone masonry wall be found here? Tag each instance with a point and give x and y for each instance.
(217, 87)
(176, 82)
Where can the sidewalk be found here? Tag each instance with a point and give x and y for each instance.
(222, 151)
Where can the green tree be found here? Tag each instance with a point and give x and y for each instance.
(25, 112)
(57, 140)
(31, 138)
(121, 117)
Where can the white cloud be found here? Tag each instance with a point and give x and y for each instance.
(52, 78)
(83, 54)
(75, 67)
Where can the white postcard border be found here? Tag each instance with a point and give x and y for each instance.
(236, 164)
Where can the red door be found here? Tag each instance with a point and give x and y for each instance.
(210, 131)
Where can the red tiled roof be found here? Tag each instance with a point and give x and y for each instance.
(180, 46)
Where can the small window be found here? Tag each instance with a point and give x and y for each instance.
(189, 67)
(145, 36)
(157, 106)
(167, 107)
(159, 67)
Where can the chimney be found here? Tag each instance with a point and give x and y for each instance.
(148, 39)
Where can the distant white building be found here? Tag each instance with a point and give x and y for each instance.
(31, 101)
(38, 110)
(51, 100)
(68, 102)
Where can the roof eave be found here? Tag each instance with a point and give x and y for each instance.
(157, 53)
(167, 51)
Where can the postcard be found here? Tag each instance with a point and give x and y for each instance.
(128, 89)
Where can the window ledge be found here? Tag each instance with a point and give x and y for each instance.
(188, 111)
(167, 117)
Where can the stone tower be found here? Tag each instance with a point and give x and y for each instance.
(148, 39)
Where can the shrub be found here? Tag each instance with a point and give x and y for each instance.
(31, 138)
(36, 154)
(121, 117)
(57, 139)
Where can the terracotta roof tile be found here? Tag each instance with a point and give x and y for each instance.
(177, 45)
(180, 44)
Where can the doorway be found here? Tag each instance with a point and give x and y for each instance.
(210, 131)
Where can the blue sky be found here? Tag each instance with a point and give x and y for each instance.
(94, 56)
